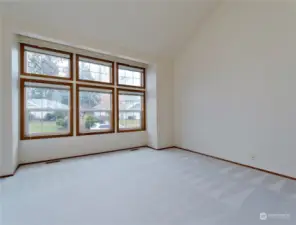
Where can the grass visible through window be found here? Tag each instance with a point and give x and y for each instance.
(44, 127)
(130, 123)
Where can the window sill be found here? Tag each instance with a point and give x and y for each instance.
(130, 130)
(45, 136)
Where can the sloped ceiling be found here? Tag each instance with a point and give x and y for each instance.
(151, 27)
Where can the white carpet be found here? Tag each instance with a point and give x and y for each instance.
(145, 187)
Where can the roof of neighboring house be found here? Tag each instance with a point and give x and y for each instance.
(102, 106)
(106, 106)
(45, 104)
(131, 107)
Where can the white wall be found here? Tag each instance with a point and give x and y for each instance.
(151, 106)
(165, 107)
(44, 149)
(15, 93)
(160, 104)
(235, 86)
(10, 103)
(1, 97)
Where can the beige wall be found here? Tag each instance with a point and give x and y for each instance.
(235, 86)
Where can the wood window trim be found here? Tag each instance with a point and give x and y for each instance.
(23, 109)
(130, 86)
(143, 121)
(96, 59)
(22, 62)
(78, 133)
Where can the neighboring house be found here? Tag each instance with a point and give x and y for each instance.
(130, 111)
(102, 110)
(40, 107)
(130, 108)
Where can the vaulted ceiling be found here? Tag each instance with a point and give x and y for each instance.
(155, 27)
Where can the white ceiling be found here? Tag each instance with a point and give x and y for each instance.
(154, 27)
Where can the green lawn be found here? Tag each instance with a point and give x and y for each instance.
(130, 123)
(44, 127)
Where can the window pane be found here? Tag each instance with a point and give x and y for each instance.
(94, 72)
(46, 64)
(95, 111)
(47, 111)
(47, 98)
(47, 122)
(133, 78)
(130, 111)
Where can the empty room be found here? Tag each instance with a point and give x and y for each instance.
(148, 112)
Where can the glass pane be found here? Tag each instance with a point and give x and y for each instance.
(130, 111)
(47, 110)
(127, 77)
(94, 72)
(47, 98)
(38, 63)
(95, 111)
(47, 122)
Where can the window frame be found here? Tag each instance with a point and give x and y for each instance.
(78, 132)
(143, 119)
(23, 135)
(22, 62)
(95, 59)
(74, 83)
(130, 86)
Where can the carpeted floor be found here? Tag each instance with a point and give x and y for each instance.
(145, 187)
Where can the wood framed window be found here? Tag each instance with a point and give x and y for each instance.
(46, 109)
(52, 87)
(94, 70)
(131, 113)
(94, 109)
(44, 62)
(130, 76)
